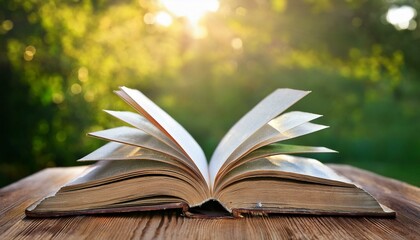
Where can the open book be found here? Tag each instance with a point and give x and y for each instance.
(156, 164)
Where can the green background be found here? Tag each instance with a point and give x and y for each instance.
(61, 60)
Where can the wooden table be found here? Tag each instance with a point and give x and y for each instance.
(403, 198)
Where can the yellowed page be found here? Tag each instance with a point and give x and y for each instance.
(263, 137)
(136, 137)
(286, 166)
(276, 128)
(293, 119)
(267, 151)
(167, 125)
(270, 107)
(138, 121)
(130, 180)
(271, 136)
(118, 151)
(105, 171)
(278, 148)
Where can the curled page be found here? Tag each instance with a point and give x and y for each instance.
(138, 121)
(263, 137)
(287, 167)
(114, 151)
(267, 151)
(136, 137)
(167, 125)
(275, 128)
(278, 148)
(270, 107)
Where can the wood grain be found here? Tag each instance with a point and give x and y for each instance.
(403, 198)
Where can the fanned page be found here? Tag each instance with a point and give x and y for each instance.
(271, 150)
(139, 122)
(168, 126)
(278, 129)
(269, 108)
(136, 137)
(286, 167)
(114, 151)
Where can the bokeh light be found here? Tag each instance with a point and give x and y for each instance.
(402, 17)
(29, 53)
(76, 88)
(7, 25)
(236, 43)
(163, 18)
(207, 62)
(149, 18)
(83, 74)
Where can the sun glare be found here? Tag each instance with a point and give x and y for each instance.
(402, 17)
(163, 19)
(192, 10)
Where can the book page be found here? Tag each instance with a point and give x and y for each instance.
(269, 134)
(263, 137)
(294, 186)
(139, 122)
(278, 148)
(114, 151)
(167, 125)
(286, 166)
(109, 170)
(267, 151)
(136, 137)
(109, 182)
(277, 126)
(270, 107)
(119, 151)
(293, 119)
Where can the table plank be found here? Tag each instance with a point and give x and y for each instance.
(401, 197)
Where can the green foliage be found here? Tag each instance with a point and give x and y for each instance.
(61, 60)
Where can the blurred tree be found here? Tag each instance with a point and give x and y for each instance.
(60, 62)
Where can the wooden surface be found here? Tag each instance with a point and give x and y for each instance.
(401, 197)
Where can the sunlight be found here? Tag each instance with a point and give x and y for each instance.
(402, 17)
(192, 10)
(163, 18)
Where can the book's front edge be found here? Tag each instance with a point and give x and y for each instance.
(209, 213)
(240, 212)
(31, 211)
